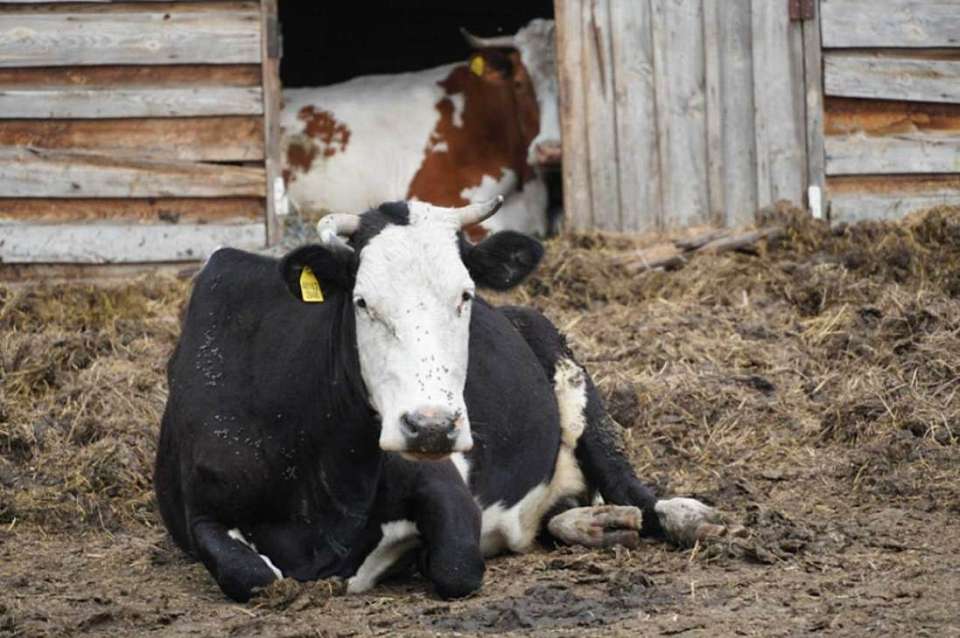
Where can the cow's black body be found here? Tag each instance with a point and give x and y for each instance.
(267, 430)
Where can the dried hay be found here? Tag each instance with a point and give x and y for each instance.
(832, 356)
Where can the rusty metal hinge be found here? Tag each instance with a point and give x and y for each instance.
(274, 38)
(801, 10)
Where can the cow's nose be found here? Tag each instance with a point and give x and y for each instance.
(430, 430)
(548, 153)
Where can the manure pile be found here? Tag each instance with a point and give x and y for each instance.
(811, 389)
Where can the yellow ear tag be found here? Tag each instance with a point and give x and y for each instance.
(477, 65)
(309, 286)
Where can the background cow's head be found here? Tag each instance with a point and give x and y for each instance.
(410, 280)
(528, 59)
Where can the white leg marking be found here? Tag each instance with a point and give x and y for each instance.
(399, 537)
(516, 528)
(238, 536)
(681, 518)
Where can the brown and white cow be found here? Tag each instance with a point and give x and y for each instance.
(450, 136)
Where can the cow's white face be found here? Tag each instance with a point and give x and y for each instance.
(536, 43)
(412, 301)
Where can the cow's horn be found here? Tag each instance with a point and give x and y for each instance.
(476, 213)
(476, 42)
(334, 227)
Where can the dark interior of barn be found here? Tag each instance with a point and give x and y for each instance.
(329, 42)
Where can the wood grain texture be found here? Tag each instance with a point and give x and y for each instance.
(813, 87)
(681, 125)
(72, 102)
(890, 23)
(155, 211)
(175, 76)
(892, 77)
(577, 202)
(122, 243)
(34, 173)
(714, 113)
(269, 20)
(779, 102)
(908, 152)
(636, 161)
(214, 139)
(739, 139)
(131, 34)
(889, 197)
(602, 140)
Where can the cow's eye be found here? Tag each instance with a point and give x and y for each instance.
(467, 296)
(360, 302)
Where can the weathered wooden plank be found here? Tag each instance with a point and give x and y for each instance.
(160, 210)
(636, 161)
(882, 117)
(908, 152)
(270, 54)
(213, 139)
(679, 66)
(25, 274)
(113, 6)
(779, 103)
(601, 115)
(890, 23)
(176, 76)
(714, 113)
(813, 86)
(578, 207)
(889, 196)
(892, 77)
(141, 34)
(739, 140)
(34, 173)
(72, 102)
(122, 243)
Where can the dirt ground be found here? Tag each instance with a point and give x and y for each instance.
(809, 389)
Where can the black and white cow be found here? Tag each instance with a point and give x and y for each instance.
(317, 439)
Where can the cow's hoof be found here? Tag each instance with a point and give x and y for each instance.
(686, 521)
(601, 526)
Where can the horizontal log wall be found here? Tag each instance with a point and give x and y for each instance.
(892, 120)
(679, 112)
(130, 132)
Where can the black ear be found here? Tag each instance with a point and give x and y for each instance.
(334, 269)
(501, 261)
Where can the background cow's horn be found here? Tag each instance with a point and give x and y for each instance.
(476, 213)
(334, 227)
(476, 42)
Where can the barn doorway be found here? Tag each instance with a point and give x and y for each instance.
(326, 43)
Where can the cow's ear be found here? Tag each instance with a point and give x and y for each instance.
(333, 270)
(491, 65)
(503, 260)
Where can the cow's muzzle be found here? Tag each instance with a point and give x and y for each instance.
(548, 153)
(432, 432)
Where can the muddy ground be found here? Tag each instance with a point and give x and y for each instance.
(809, 389)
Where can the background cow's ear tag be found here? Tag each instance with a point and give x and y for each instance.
(309, 286)
(477, 65)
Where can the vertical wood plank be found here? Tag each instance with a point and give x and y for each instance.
(681, 126)
(779, 104)
(714, 112)
(601, 115)
(813, 81)
(578, 211)
(637, 162)
(739, 141)
(270, 55)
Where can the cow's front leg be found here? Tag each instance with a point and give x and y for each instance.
(231, 560)
(449, 521)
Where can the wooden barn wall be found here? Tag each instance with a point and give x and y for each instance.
(892, 116)
(130, 132)
(681, 112)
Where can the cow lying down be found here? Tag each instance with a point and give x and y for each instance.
(356, 404)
